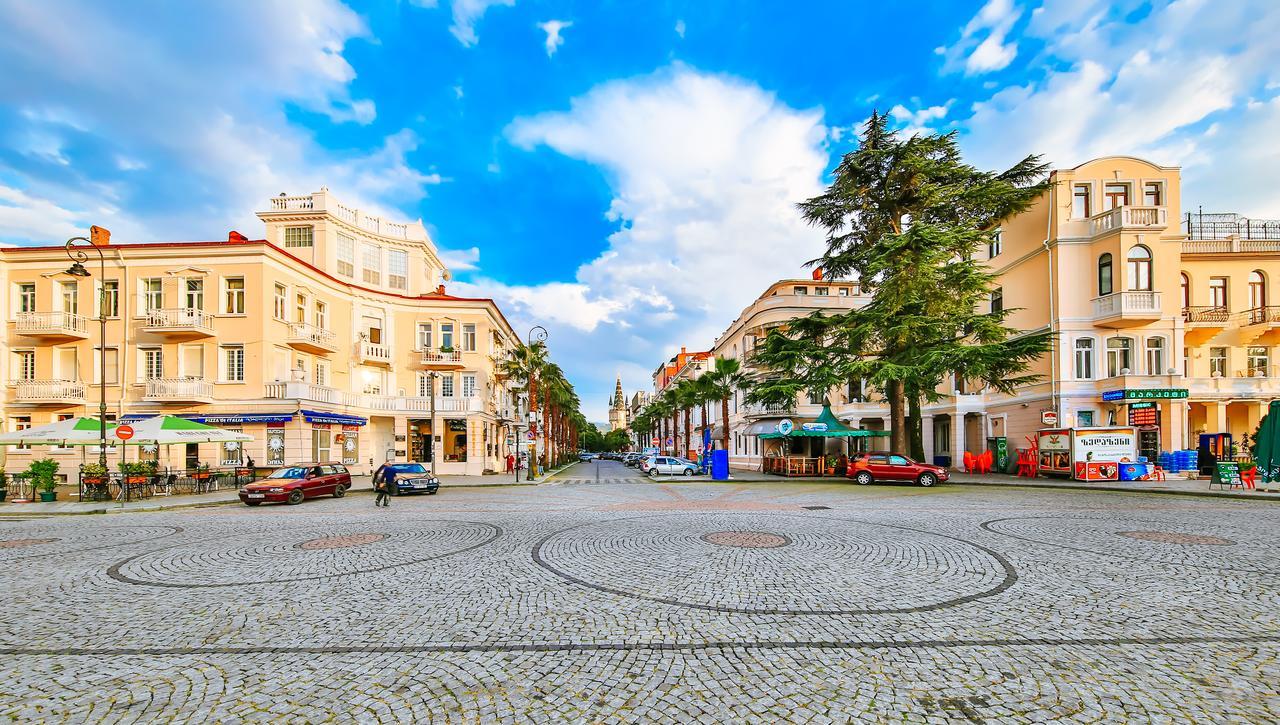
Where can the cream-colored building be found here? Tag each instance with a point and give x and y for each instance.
(324, 340)
(1152, 307)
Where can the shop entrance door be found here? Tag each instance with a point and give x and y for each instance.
(193, 455)
(1149, 444)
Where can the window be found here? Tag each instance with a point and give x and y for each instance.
(1257, 290)
(1084, 358)
(346, 256)
(1259, 362)
(844, 291)
(397, 268)
(424, 385)
(446, 335)
(1186, 291)
(70, 297)
(1084, 418)
(446, 385)
(1218, 292)
(322, 372)
(66, 363)
(856, 392)
(371, 260)
(1152, 194)
(281, 302)
(233, 295)
(22, 422)
(1104, 275)
(1218, 362)
(195, 294)
(1155, 356)
(152, 296)
(320, 444)
(113, 365)
(374, 382)
(997, 300)
(1115, 195)
(468, 385)
(24, 364)
(152, 363)
(1186, 361)
(897, 461)
(1080, 207)
(996, 245)
(821, 291)
(320, 317)
(799, 290)
(300, 308)
(27, 297)
(298, 236)
(1119, 356)
(469, 337)
(233, 363)
(424, 336)
(1139, 268)
(108, 302)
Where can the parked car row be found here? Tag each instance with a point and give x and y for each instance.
(295, 483)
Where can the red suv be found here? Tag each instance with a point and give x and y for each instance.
(292, 484)
(868, 468)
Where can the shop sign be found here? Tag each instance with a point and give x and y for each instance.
(1049, 418)
(457, 426)
(1120, 445)
(786, 426)
(1110, 396)
(1144, 414)
(350, 445)
(275, 446)
(814, 427)
(321, 426)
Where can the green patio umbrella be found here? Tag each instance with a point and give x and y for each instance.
(1266, 447)
(71, 432)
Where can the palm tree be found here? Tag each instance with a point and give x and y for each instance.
(723, 381)
(687, 396)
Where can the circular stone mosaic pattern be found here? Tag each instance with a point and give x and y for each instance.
(1172, 537)
(33, 539)
(282, 555)
(23, 543)
(746, 539)
(743, 562)
(341, 542)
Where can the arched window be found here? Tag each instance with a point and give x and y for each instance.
(1119, 356)
(1257, 290)
(1140, 268)
(1186, 291)
(1104, 275)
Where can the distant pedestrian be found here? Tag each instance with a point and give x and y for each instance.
(382, 485)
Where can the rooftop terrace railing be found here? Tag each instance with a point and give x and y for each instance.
(1202, 225)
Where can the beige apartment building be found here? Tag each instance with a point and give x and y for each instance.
(327, 339)
(1163, 317)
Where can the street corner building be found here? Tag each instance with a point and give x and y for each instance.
(1162, 315)
(332, 338)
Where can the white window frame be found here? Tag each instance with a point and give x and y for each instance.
(231, 370)
(1114, 370)
(320, 314)
(280, 301)
(111, 293)
(68, 298)
(112, 351)
(371, 263)
(146, 295)
(470, 385)
(193, 293)
(1076, 358)
(424, 341)
(446, 385)
(233, 300)
(468, 337)
(346, 255)
(397, 268)
(1162, 349)
(1225, 367)
(25, 302)
(299, 237)
(24, 365)
(145, 355)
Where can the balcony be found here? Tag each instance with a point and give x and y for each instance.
(1139, 218)
(1203, 323)
(369, 401)
(181, 321)
(770, 410)
(178, 390)
(1127, 308)
(1261, 325)
(442, 360)
(48, 392)
(374, 353)
(310, 338)
(51, 325)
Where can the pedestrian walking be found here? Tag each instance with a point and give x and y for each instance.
(382, 485)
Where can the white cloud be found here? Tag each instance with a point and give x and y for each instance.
(461, 260)
(553, 29)
(705, 171)
(917, 121)
(467, 13)
(26, 219)
(680, 27)
(982, 47)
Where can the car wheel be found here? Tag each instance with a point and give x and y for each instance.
(927, 479)
(295, 497)
(688, 472)
(863, 478)
(339, 491)
(653, 473)
(252, 503)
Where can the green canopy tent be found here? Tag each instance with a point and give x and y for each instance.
(826, 426)
(1266, 446)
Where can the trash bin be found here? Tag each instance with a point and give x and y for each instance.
(720, 465)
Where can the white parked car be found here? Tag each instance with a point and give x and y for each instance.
(668, 466)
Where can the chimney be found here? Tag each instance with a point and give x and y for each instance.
(100, 236)
(440, 290)
(817, 274)
(683, 349)
(234, 236)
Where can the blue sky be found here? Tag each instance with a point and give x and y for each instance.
(624, 173)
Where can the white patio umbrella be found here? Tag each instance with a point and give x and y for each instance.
(71, 432)
(166, 429)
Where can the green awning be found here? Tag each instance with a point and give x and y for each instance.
(835, 429)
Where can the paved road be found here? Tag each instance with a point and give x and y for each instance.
(636, 600)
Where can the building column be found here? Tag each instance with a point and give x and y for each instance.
(1177, 425)
(1216, 417)
(926, 424)
(957, 440)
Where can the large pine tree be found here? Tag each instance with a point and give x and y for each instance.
(907, 217)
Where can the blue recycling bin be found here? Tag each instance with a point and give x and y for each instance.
(720, 465)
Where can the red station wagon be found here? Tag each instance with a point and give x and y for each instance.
(292, 484)
(868, 468)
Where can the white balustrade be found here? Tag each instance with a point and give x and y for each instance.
(178, 389)
(292, 203)
(48, 390)
(368, 401)
(180, 318)
(439, 357)
(1127, 303)
(375, 352)
(301, 332)
(39, 323)
(1145, 217)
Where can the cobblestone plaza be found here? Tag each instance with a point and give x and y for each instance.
(636, 600)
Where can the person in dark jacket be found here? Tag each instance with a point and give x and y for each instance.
(383, 480)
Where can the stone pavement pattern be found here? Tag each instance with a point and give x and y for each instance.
(636, 600)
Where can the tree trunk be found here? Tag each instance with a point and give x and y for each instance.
(688, 416)
(724, 419)
(915, 427)
(705, 424)
(897, 417)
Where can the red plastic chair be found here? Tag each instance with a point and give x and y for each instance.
(969, 462)
(1250, 478)
(1158, 474)
(984, 462)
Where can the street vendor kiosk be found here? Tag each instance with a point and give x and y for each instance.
(1087, 454)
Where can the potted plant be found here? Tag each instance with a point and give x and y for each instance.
(43, 473)
(136, 472)
(93, 474)
(831, 465)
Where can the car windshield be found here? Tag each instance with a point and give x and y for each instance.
(290, 472)
(408, 468)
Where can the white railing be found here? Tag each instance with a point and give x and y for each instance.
(178, 389)
(769, 409)
(28, 323)
(396, 229)
(301, 332)
(34, 390)
(1259, 245)
(367, 401)
(1206, 246)
(180, 318)
(1127, 303)
(375, 352)
(1147, 217)
(292, 203)
(436, 357)
(345, 213)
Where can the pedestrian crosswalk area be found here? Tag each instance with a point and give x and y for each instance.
(599, 472)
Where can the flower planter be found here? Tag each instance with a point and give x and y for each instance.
(135, 480)
(48, 496)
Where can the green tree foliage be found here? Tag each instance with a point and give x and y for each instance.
(907, 217)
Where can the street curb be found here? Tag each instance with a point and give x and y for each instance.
(1116, 489)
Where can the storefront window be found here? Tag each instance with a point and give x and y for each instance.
(320, 441)
(232, 451)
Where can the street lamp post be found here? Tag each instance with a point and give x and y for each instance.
(78, 257)
(434, 453)
(540, 333)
